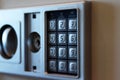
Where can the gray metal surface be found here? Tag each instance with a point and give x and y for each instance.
(27, 63)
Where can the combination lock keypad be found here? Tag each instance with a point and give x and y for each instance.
(62, 42)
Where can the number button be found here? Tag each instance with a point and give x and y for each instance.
(62, 66)
(52, 24)
(72, 67)
(52, 38)
(62, 38)
(72, 52)
(62, 52)
(62, 24)
(72, 24)
(52, 52)
(52, 66)
(72, 38)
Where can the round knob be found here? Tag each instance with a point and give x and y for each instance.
(34, 42)
(9, 41)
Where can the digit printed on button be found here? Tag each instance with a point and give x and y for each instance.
(52, 24)
(62, 53)
(62, 38)
(73, 52)
(52, 52)
(62, 24)
(52, 65)
(52, 38)
(62, 66)
(72, 38)
(72, 24)
(72, 67)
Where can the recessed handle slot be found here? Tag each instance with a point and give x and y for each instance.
(8, 41)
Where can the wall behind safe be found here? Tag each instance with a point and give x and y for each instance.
(105, 36)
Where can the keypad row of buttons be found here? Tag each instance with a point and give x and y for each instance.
(63, 66)
(62, 24)
(63, 38)
(62, 52)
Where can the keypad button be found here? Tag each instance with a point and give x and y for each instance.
(62, 24)
(52, 24)
(62, 52)
(52, 38)
(52, 52)
(62, 66)
(72, 67)
(72, 53)
(62, 38)
(72, 24)
(72, 38)
(52, 65)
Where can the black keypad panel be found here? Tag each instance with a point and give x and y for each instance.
(62, 42)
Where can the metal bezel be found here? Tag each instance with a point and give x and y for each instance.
(17, 16)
